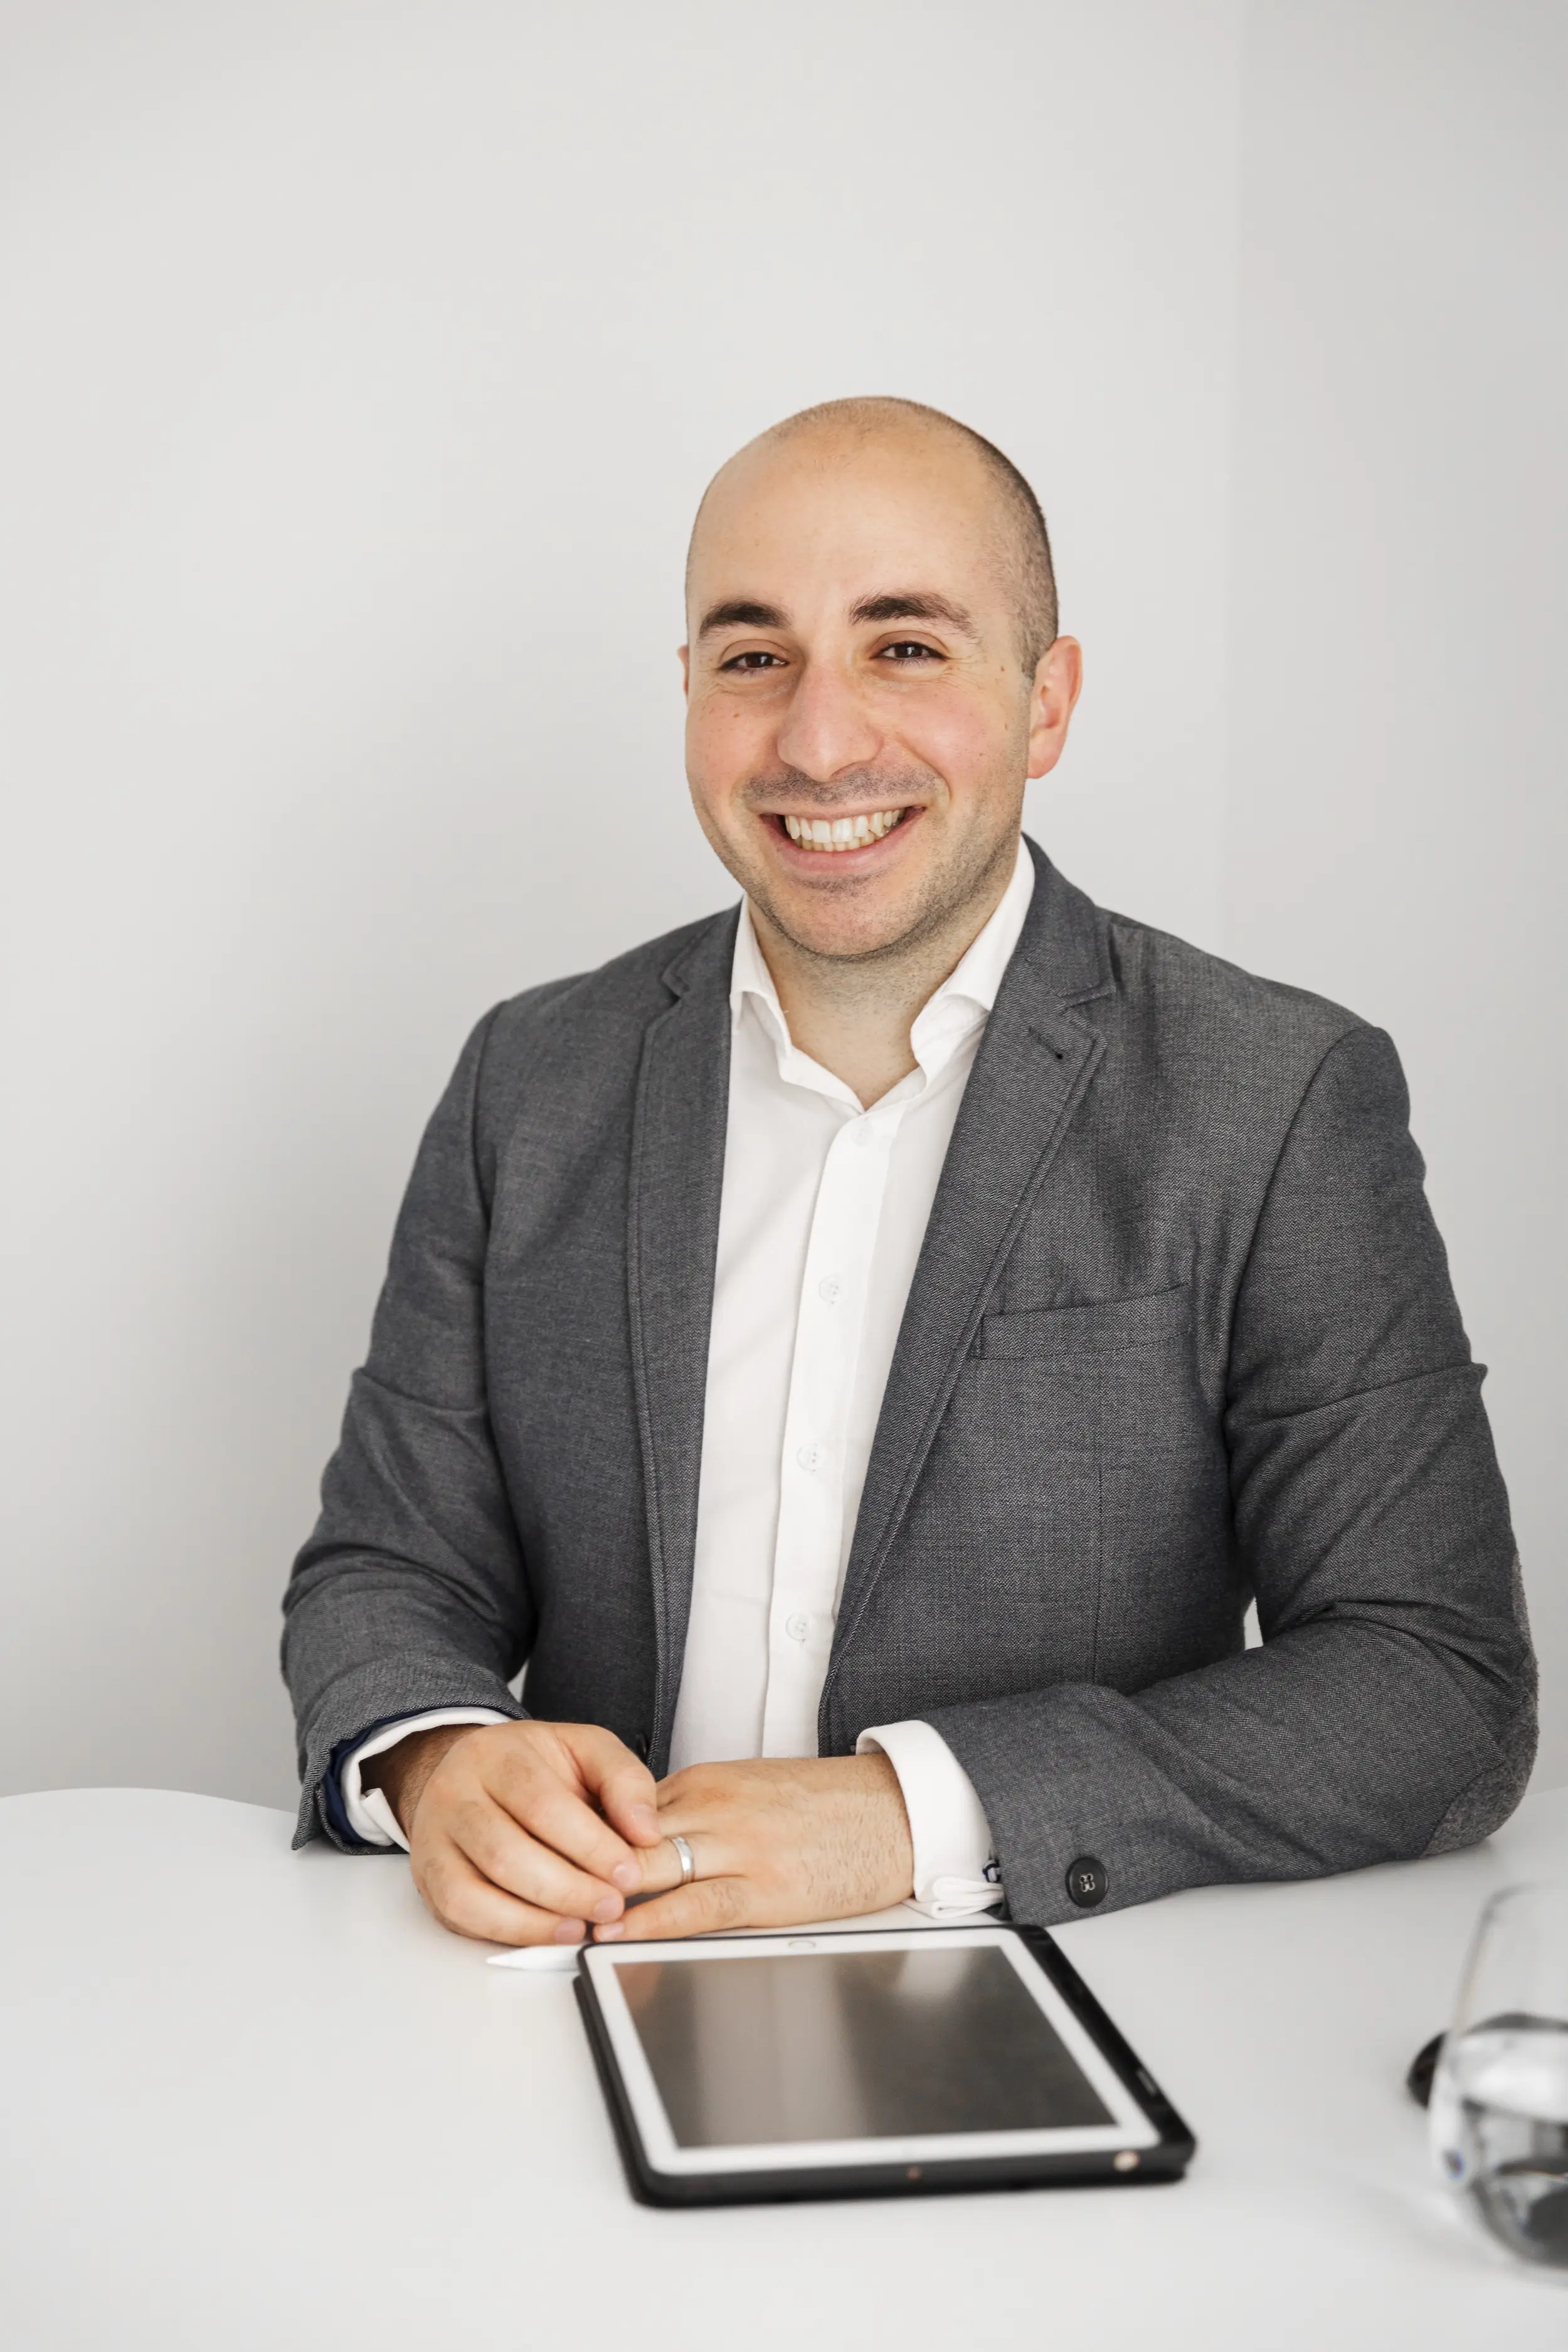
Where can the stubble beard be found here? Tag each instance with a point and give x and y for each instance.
(977, 869)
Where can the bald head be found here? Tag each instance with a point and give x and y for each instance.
(873, 674)
(839, 432)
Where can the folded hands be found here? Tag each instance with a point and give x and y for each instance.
(546, 1833)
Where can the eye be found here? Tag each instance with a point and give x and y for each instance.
(748, 665)
(907, 651)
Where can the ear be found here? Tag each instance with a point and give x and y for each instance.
(1058, 681)
(684, 653)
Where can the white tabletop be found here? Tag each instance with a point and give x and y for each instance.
(256, 2100)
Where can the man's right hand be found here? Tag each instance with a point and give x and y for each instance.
(520, 1832)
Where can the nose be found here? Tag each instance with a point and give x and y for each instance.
(827, 726)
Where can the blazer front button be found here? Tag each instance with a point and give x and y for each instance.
(1088, 1881)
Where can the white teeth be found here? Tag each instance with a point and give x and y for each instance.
(842, 832)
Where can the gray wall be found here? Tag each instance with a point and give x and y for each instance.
(1395, 832)
(365, 367)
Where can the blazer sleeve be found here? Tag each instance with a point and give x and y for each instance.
(412, 1592)
(1390, 1710)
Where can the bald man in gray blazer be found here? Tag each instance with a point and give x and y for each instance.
(1174, 1334)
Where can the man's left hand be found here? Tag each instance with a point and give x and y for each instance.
(775, 1840)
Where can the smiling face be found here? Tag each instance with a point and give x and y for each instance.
(860, 718)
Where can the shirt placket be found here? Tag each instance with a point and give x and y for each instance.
(829, 1323)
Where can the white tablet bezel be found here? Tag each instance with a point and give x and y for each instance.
(1130, 2128)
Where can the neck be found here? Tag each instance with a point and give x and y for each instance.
(854, 1014)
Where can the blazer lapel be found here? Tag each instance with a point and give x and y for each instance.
(676, 1178)
(1034, 1064)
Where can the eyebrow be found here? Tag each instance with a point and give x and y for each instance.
(740, 613)
(912, 604)
(903, 605)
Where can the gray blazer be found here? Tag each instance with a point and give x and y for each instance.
(1181, 1333)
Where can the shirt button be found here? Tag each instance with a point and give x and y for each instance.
(828, 1289)
(863, 1133)
(1088, 1881)
(797, 1627)
(809, 1457)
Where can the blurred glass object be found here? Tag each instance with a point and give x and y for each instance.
(1499, 2111)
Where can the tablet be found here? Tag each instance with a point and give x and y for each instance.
(740, 2068)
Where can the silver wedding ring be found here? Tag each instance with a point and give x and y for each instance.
(683, 1855)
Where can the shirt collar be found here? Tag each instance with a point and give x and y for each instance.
(960, 1005)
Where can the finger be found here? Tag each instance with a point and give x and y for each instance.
(660, 1867)
(703, 1909)
(554, 1811)
(620, 1781)
(464, 1900)
(505, 1853)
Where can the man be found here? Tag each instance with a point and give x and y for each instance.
(863, 1353)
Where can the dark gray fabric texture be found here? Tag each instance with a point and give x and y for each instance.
(1181, 1334)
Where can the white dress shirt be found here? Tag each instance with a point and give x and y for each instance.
(822, 1212)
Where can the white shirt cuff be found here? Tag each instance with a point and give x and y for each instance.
(369, 1811)
(955, 1867)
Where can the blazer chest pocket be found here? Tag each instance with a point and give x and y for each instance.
(1116, 1330)
(1062, 1478)
(1117, 1378)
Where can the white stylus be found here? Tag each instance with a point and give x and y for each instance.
(540, 1959)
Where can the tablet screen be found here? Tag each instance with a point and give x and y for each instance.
(858, 2045)
(853, 2047)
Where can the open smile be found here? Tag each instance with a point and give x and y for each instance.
(831, 836)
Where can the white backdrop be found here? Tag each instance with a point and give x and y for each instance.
(1396, 833)
(363, 366)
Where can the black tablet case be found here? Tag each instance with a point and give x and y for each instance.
(1167, 2160)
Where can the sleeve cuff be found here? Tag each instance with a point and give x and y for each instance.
(366, 1812)
(955, 1864)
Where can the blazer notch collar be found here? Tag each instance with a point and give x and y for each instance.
(1061, 955)
(703, 964)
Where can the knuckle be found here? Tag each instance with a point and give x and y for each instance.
(470, 1821)
(441, 1891)
(522, 1748)
(726, 1902)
